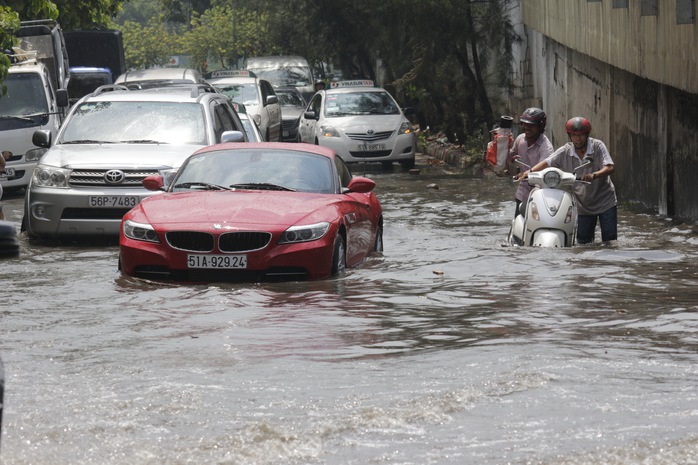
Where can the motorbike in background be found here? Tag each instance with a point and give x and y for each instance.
(549, 218)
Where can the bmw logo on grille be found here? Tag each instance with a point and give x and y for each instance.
(114, 177)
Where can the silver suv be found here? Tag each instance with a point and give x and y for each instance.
(112, 139)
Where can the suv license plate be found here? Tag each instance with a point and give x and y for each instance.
(113, 201)
(371, 147)
(217, 261)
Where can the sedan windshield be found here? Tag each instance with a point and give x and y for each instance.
(292, 76)
(132, 122)
(259, 169)
(360, 103)
(290, 98)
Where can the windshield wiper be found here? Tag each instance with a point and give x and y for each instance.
(27, 118)
(87, 141)
(142, 141)
(204, 185)
(262, 186)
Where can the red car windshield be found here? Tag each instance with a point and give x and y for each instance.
(258, 169)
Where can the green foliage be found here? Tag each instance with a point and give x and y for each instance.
(148, 46)
(9, 23)
(220, 37)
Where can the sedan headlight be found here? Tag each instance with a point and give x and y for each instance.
(50, 176)
(405, 128)
(140, 232)
(329, 131)
(311, 232)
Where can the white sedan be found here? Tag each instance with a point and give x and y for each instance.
(257, 95)
(361, 122)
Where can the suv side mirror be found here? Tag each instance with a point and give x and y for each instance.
(272, 99)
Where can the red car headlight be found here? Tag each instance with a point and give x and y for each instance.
(140, 232)
(305, 233)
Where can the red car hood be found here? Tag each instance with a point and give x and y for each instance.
(241, 209)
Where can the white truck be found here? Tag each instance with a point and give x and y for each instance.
(36, 97)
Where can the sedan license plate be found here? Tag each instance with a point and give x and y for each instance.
(217, 261)
(113, 201)
(8, 173)
(371, 147)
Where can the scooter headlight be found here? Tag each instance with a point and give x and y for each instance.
(552, 179)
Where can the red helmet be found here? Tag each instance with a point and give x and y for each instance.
(578, 125)
(535, 116)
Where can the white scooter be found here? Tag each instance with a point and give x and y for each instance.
(550, 217)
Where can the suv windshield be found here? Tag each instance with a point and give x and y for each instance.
(156, 122)
(360, 103)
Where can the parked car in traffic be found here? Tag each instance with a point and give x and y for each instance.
(253, 212)
(112, 139)
(284, 71)
(159, 77)
(361, 122)
(85, 79)
(292, 107)
(251, 128)
(258, 96)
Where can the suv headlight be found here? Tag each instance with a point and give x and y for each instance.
(311, 232)
(50, 176)
(405, 128)
(140, 232)
(329, 131)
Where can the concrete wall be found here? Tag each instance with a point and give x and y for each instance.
(652, 47)
(649, 126)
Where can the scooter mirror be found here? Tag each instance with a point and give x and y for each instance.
(585, 162)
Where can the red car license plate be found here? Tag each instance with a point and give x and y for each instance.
(216, 261)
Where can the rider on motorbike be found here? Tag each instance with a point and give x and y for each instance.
(595, 198)
(532, 146)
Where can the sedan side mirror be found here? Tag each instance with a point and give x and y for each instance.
(310, 114)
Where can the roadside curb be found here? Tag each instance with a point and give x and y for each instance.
(458, 158)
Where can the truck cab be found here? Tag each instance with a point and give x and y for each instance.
(30, 103)
(36, 97)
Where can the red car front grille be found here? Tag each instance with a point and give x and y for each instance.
(231, 242)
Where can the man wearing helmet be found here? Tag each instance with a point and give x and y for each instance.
(532, 146)
(596, 198)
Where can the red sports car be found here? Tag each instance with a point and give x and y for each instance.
(252, 212)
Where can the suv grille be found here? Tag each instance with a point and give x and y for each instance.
(370, 137)
(96, 178)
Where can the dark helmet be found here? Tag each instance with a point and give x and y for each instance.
(535, 116)
(578, 125)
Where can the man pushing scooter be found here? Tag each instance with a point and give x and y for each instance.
(595, 198)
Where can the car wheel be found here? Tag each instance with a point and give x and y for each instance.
(378, 245)
(339, 257)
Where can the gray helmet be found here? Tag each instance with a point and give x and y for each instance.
(535, 116)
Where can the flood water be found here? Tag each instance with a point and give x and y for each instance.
(449, 348)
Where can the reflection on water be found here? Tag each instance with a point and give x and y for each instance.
(450, 347)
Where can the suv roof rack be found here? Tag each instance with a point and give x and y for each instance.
(107, 88)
